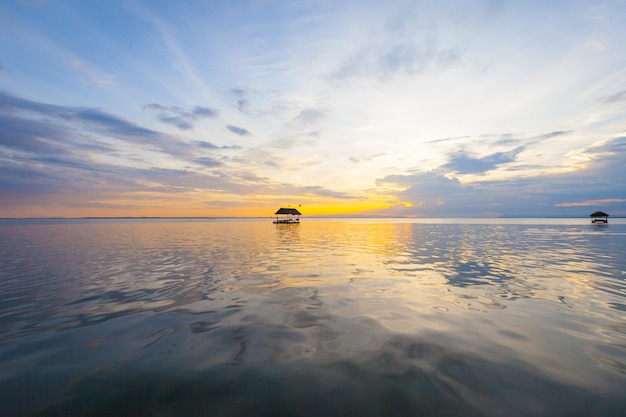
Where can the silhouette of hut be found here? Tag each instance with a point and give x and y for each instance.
(287, 213)
(599, 217)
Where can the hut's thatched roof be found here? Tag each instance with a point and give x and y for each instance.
(291, 211)
(598, 214)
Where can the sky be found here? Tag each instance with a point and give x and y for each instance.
(488, 108)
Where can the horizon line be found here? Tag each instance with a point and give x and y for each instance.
(312, 216)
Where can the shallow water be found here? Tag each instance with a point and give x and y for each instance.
(371, 317)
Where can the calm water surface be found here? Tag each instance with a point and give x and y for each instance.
(326, 318)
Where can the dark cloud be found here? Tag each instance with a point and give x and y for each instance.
(57, 122)
(47, 152)
(20, 180)
(199, 112)
(47, 128)
(614, 98)
(238, 130)
(77, 178)
(66, 161)
(109, 124)
(32, 136)
(431, 194)
(434, 195)
(11, 104)
(323, 192)
(209, 145)
(207, 162)
(555, 134)
(179, 117)
(242, 103)
(607, 167)
(462, 163)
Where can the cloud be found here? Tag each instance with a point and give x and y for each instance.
(555, 134)
(238, 130)
(431, 194)
(591, 202)
(29, 116)
(242, 104)
(614, 98)
(179, 117)
(94, 77)
(85, 158)
(368, 158)
(308, 116)
(32, 137)
(48, 149)
(404, 44)
(108, 124)
(447, 139)
(209, 145)
(383, 60)
(207, 162)
(598, 184)
(324, 192)
(462, 163)
(168, 34)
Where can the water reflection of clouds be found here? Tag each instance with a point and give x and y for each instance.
(391, 317)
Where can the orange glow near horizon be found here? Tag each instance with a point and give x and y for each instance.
(153, 206)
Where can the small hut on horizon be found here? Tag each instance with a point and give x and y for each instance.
(287, 213)
(599, 217)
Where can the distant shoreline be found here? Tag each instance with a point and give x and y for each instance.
(271, 216)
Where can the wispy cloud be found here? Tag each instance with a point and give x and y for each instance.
(588, 203)
(209, 145)
(613, 98)
(383, 60)
(242, 103)
(208, 162)
(463, 163)
(238, 130)
(397, 48)
(95, 77)
(324, 192)
(181, 61)
(179, 117)
(368, 158)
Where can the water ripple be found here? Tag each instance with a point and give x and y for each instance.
(390, 317)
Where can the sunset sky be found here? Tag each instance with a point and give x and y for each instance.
(236, 108)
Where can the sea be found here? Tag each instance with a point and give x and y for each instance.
(329, 317)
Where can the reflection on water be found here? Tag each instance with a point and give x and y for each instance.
(325, 318)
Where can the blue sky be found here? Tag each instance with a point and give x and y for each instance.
(408, 108)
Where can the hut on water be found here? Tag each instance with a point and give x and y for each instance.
(599, 217)
(287, 214)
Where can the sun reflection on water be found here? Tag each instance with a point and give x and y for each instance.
(442, 304)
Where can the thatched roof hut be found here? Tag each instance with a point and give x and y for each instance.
(599, 217)
(290, 211)
(287, 212)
